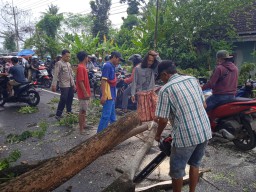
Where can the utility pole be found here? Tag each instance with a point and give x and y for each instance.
(16, 27)
(156, 25)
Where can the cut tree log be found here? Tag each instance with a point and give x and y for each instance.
(167, 185)
(125, 182)
(57, 170)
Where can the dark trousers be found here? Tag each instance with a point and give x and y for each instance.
(66, 99)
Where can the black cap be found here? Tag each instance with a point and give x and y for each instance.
(118, 55)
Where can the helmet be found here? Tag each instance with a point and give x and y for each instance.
(34, 57)
(135, 59)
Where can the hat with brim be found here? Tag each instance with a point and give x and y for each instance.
(223, 54)
(118, 55)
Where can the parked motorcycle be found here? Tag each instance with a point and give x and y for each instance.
(43, 78)
(247, 89)
(94, 80)
(236, 121)
(22, 93)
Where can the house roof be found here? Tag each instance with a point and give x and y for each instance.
(244, 21)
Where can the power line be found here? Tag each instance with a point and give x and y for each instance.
(40, 4)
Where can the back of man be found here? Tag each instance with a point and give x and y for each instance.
(186, 102)
(17, 71)
(223, 81)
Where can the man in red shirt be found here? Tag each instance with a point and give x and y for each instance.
(83, 88)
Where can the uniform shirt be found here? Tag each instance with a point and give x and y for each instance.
(64, 74)
(109, 74)
(181, 99)
(82, 75)
(17, 72)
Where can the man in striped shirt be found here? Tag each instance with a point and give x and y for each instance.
(182, 101)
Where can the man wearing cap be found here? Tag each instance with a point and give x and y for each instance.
(181, 101)
(108, 89)
(223, 81)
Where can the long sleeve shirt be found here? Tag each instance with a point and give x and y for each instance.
(130, 79)
(63, 73)
(144, 79)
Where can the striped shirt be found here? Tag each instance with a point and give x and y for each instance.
(181, 100)
(64, 74)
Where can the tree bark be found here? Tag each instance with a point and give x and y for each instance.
(57, 170)
(125, 182)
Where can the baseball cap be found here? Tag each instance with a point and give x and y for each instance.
(118, 55)
(223, 54)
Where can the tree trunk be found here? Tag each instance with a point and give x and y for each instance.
(57, 170)
(125, 182)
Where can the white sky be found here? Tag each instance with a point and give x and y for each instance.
(117, 10)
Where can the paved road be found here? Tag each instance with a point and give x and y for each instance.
(231, 170)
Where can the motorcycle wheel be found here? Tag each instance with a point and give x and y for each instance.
(34, 98)
(247, 141)
(97, 92)
(47, 83)
(2, 100)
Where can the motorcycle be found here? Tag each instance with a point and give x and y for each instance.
(22, 93)
(94, 80)
(43, 78)
(247, 89)
(236, 121)
(121, 86)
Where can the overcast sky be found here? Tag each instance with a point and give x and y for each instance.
(117, 10)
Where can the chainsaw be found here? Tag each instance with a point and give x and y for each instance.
(165, 148)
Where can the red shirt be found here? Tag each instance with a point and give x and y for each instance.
(82, 75)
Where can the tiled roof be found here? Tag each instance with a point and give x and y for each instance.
(244, 20)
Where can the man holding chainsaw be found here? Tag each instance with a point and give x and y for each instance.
(182, 102)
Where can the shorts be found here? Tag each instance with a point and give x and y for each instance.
(13, 83)
(83, 104)
(180, 156)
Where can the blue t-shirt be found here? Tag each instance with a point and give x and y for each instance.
(108, 73)
(17, 71)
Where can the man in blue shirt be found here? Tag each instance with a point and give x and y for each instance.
(18, 75)
(108, 88)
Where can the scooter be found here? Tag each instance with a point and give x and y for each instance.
(236, 121)
(43, 78)
(94, 80)
(22, 93)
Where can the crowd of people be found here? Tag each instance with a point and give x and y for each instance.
(180, 99)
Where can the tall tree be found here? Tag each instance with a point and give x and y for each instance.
(100, 13)
(9, 43)
(16, 22)
(46, 32)
(78, 23)
(190, 32)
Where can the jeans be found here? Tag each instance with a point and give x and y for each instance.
(108, 115)
(215, 100)
(125, 99)
(66, 99)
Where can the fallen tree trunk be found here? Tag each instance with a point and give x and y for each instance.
(57, 170)
(125, 182)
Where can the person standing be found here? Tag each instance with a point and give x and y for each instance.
(135, 59)
(64, 75)
(144, 75)
(223, 81)
(108, 89)
(83, 88)
(182, 101)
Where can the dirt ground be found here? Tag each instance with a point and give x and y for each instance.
(231, 169)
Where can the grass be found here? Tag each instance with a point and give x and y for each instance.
(54, 100)
(40, 133)
(28, 110)
(69, 120)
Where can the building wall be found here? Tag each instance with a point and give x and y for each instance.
(243, 52)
